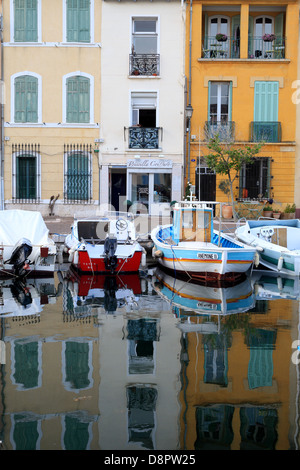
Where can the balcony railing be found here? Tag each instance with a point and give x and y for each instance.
(213, 49)
(265, 131)
(144, 64)
(224, 129)
(260, 49)
(144, 137)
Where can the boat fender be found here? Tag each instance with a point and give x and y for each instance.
(158, 254)
(280, 263)
(75, 260)
(71, 255)
(144, 259)
(259, 248)
(256, 259)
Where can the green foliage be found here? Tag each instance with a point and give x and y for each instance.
(268, 208)
(290, 208)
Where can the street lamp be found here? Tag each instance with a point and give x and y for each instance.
(188, 114)
(189, 111)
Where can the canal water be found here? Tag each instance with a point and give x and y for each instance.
(149, 362)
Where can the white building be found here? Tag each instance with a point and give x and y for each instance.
(142, 103)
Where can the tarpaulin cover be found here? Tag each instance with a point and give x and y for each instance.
(17, 224)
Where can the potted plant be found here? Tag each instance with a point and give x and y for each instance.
(269, 37)
(221, 37)
(276, 213)
(226, 208)
(267, 211)
(289, 211)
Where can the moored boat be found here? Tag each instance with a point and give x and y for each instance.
(191, 246)
(25, 245)
(276, 241)
(106, 244)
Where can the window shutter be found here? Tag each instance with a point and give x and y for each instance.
(78, 100)
(266, 101)
(78, 20)
(26, 177)
(25, 21)
(26, 99)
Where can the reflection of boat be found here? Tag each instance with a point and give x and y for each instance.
(110, 292)
(105, 244)
(271, 285)
(192, 246)
(277, 242)
(19, 297)
(202, 299)
(25, 245)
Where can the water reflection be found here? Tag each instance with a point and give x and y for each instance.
(148, 362)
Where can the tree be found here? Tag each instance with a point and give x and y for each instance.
(228, 159)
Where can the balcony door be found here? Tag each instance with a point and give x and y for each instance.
(219, 109)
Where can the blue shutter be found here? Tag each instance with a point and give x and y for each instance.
(266, 101)
(78, 20)
(25, 21)
(26, 99)
(78, 100)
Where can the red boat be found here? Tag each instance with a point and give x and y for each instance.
(105, 244)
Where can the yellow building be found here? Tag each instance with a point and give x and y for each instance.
(241, 62)
(51, 71)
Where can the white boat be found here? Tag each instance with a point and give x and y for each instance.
(25, 245)
(277, 242)
(105, 244)
(269, 285)
(191, 246)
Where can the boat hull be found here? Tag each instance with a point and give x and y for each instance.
(89, 264)
(204, 262)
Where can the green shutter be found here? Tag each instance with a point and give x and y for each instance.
(26, 177)
(26, 99)
(25, 21)
(235, 36)
(78, 100)
(78, 20)
(266, 101)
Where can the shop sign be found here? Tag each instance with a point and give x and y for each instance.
(149, 163)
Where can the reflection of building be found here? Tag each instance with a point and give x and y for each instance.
(138, 395)
(50, 391)
(243, 64)
(238, 382)
(142, 59)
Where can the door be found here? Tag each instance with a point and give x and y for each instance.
(206, 181)
(118, 190)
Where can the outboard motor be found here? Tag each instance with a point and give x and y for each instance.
(110, 289)
(110, 259)
(19, 257)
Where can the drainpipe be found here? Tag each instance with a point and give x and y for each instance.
(190, 87)
(2, 118)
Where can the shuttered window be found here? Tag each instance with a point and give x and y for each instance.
(78, 173)
(78, 100)
(26, 177)
(78, 20)
(266, 101)
(25, 21)
(26, 99)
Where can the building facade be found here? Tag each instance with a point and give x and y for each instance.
(243, 61)
(142, 103)
(51, 70)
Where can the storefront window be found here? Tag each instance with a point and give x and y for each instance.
(162, 187)
(140, 188)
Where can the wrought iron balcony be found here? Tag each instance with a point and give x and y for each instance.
(144, 64)
(224, 129)
(144, 137)
(213, 49)
(261, 49)
(265, 131)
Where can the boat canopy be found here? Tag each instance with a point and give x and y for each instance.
(18, 224)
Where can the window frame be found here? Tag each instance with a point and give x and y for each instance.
(140, 34)
(85, 153)
(26, 153)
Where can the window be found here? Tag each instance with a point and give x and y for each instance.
(255, 178)
(78, 21)
(25, 20)
(264, 25)
(219, 110)
(78, 173)
(144, 36)
(144, 133)
(26, 99)
(26, 172)
(218, 25)
(266, 126)
(78, 100)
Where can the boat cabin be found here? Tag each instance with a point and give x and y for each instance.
(192, 222)
(96, 230)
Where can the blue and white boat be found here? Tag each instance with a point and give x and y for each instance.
(191, 246)
(276, 241)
